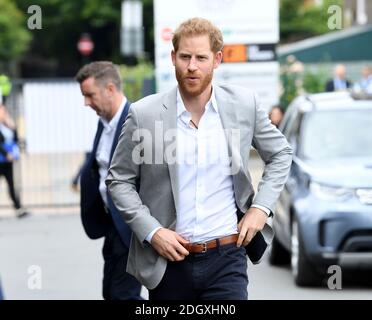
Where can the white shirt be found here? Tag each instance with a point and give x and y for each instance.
(104, 149)
(206, 208)
(7, 133)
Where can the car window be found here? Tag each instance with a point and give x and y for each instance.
(337, 134)
(287, 121)
(294, 132)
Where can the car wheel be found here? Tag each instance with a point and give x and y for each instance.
(302, 270)
(278, 255)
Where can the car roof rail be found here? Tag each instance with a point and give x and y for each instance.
(318, 99)
(361, 95)
(311, 101)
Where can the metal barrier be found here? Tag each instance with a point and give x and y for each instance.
(55, 132)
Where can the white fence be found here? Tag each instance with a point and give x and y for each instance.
(55, 130)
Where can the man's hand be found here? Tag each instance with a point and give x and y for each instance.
(168, 244)
(253, 221)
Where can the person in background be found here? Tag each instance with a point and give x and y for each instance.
(9, 152)
(339, 81)
(364, 85)
(101, 86)
(1, 292)
(5, 88)
(276, 115)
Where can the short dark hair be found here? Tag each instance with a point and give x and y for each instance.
(103, 72)
(199, 27)
(277, 106)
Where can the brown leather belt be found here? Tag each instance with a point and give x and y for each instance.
(203, 247)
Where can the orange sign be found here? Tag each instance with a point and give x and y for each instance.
(235, 53)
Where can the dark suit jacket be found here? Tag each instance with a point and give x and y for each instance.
(96, 220)
(330, 85)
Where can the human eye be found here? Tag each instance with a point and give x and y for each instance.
(185, 56)
(202, 58)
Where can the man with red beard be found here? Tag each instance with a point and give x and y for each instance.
(179, 178)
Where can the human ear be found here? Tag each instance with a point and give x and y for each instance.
(217, 59)
(173, 54)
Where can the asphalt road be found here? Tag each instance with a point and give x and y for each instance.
(49, 257)
(54, 247)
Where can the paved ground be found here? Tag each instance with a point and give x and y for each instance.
(54, 249)
(48, 256)
(70, 263)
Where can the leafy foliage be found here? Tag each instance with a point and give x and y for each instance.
(133, 78)
(314, 81)
(296, 79)
(298, 21)
(14, 36)
(64, 21)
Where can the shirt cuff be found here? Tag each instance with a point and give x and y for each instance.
(151, 234)
(264, 209)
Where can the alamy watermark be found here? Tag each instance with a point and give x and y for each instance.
(34, 281)
(35, 20)
(163, 146)
(335, 280)
(335, 20)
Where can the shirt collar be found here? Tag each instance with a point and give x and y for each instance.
(115, 120)
(181, 106)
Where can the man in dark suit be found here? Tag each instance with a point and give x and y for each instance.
(339, 81)
(101, 86)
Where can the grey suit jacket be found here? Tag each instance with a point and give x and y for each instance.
(142, 179)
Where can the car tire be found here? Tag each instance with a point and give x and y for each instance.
(302, 270)
(278, 255)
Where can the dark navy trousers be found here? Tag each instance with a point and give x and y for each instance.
(118, 284)
(218, 274)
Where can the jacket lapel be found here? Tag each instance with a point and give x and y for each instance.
(97, 137)
(169, 117)
(123, 116)
(227, 112)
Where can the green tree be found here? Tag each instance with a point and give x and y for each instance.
(133, 78)
(298, 21)
(65, 20)
(14, 36)
(314, 81)
(291, 77)
(297, 79)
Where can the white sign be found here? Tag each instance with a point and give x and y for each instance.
(245, 22)
(131, 36)
(56, 119)
(131, 14)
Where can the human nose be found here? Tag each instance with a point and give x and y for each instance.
(87, 101)
(192, 65)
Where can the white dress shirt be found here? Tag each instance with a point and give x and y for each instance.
(206, 208)
(104, 149)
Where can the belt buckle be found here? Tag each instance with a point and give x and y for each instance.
(204, 250)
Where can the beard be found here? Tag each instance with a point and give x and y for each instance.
(193, 89)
